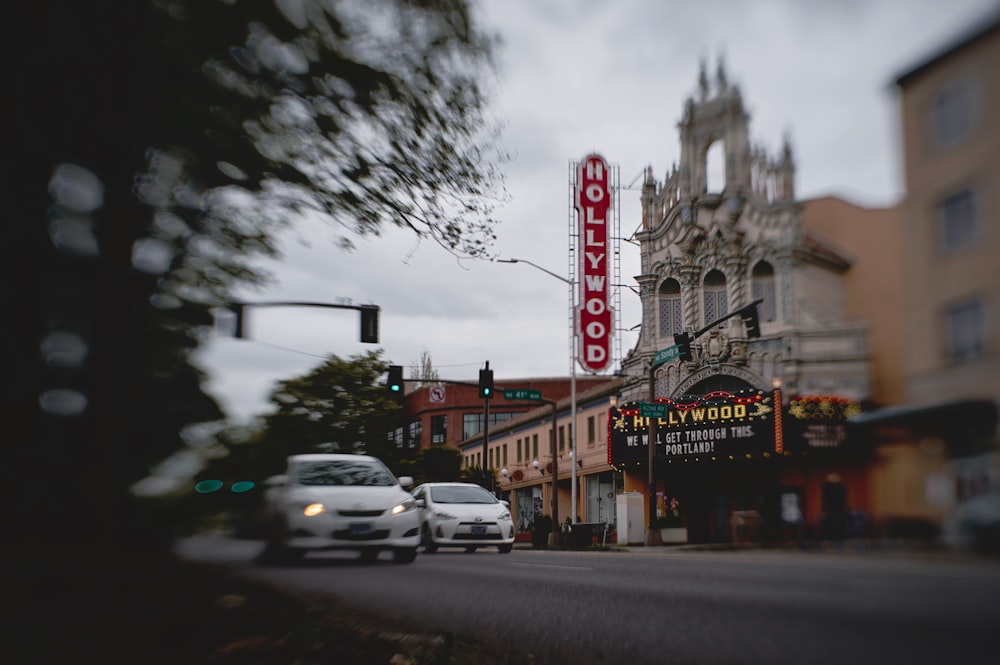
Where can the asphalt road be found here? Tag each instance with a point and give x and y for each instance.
(663, 605)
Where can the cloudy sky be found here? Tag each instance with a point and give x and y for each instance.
(593, 75)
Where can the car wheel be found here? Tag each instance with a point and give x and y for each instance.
(404, 554)
(470, 550)
(427, 540)
(369, 555)
(505, 549)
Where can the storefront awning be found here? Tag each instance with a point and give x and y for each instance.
(967, 425)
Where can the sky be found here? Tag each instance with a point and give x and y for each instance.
(574, 77)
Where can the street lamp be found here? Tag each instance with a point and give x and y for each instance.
(572, 389)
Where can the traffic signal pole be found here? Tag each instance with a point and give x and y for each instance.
(652, 534)
(486, 391)
(684, 340)
(369, 316)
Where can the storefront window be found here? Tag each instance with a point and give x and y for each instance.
(527, 506)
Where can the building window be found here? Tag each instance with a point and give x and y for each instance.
(534, 447)
(562, 438)
(966, 330)
(439, 429)
(591, 431)
(472, 423)
(958, 220)
(671, 320)
(519, 457)
(951, 113)
(397, 437)
(715, 168)
(414, 433)
(505, 454)
(716, 300)
(762, 287)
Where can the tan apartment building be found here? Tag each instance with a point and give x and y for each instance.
(950, 112)
(945, 431)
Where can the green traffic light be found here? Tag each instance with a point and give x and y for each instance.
(394, 388)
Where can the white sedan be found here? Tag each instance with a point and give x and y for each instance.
(335, 501)
(463, 515)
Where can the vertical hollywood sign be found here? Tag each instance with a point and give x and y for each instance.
(593, 203)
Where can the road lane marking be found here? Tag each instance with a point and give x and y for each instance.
(551, 565)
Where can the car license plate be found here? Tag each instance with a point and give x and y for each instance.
(361, 529)
(478, 530)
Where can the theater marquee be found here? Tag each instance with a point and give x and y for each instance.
(721, 425)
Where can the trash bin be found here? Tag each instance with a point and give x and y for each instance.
(582, 534)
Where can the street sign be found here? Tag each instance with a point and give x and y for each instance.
(665, 355)
(522, 394)
(647, 410)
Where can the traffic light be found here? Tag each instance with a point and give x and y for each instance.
(369, 324)
(486, 383)
(751, 320)
(395, 382)
(683, 342)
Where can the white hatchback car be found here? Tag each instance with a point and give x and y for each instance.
(337, 501)
(463, 515)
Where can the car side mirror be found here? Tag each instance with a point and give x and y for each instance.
(406, 481)
(421, 503)
(505, 502)
(276, 481)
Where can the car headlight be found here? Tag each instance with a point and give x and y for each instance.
(504, 516)
(314, 509)
(441, 515)
(404, 507)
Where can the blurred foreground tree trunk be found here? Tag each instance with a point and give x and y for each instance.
(155, 147)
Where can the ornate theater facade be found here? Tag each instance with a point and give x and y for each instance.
(749, 427)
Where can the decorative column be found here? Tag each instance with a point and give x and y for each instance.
(647, 294)
(690, 291)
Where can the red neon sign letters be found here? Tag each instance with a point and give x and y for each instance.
(593, 203)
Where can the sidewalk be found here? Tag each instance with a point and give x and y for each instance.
(895, 547)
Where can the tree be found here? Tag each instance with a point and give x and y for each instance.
(440, 464)
(341, 406)
(423, 370)
(156, 146)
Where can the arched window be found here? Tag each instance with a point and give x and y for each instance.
(670, 308)
(715, 168)
(673, 378)
(716, 300)
(762, 286)
(766, 366)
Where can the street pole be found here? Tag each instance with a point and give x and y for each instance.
(574, 344)
(652, 534)
(572, 409)
(554, 535)
(486, 435)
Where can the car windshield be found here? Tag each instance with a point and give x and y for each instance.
(344, 472)
(461, 495)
